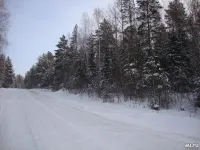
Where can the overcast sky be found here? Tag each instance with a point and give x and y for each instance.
(36, 26)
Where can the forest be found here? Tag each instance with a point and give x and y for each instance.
(134, 49)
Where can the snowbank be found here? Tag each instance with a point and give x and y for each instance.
(1, 91)
(167, 121)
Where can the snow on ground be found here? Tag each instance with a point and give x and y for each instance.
(173, 121)
(44, 120)
(2, 90)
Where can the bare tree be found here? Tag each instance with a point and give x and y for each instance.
(194, 8)
(4, 24)
(98, 16)
(86, 24)
(114, 18)
(85, 30)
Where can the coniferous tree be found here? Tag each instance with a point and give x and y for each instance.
(2, 69)
(154, 76)
(130, 60)
(149, 18)
(40, 70)
(127, 19)
(92, 66)
(41, 75)
(74, 39)
(129, 11)
(178, 59)
(60, 58)
(75, 65)
(107, 46)
(79, 77)
(9, 74)
(47, 64)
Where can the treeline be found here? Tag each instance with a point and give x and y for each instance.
(6, 72)
(7, 76)
(132, 50)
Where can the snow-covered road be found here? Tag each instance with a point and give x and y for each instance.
(37, 121)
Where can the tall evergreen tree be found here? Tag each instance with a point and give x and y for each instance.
(9, 74)
(47, 68)
(178, 60)
(128, 43)
(149, 18)
(76, 75)
(107, 46)
(128, 10)
(60, 58)
(92, 66)
(74, 39)
(2, 69)
(154, 76)
(79, 77)
(130, 60)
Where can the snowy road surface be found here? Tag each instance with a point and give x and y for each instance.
(37, 121)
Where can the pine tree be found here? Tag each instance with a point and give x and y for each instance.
(128, 45)
(79, 77)
(77, 71)
(9, 74)
(92, 66)
(155, 77)
(130, 60)
(74, 39)
(178, 60)
(41, 75)
(60, 58)
(149, 18)
(107, 46)
(128, 11)
(40, 70)
(2, 69)
(48, 70)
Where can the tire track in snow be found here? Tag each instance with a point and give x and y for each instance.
(74, 127)
(27, 124)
